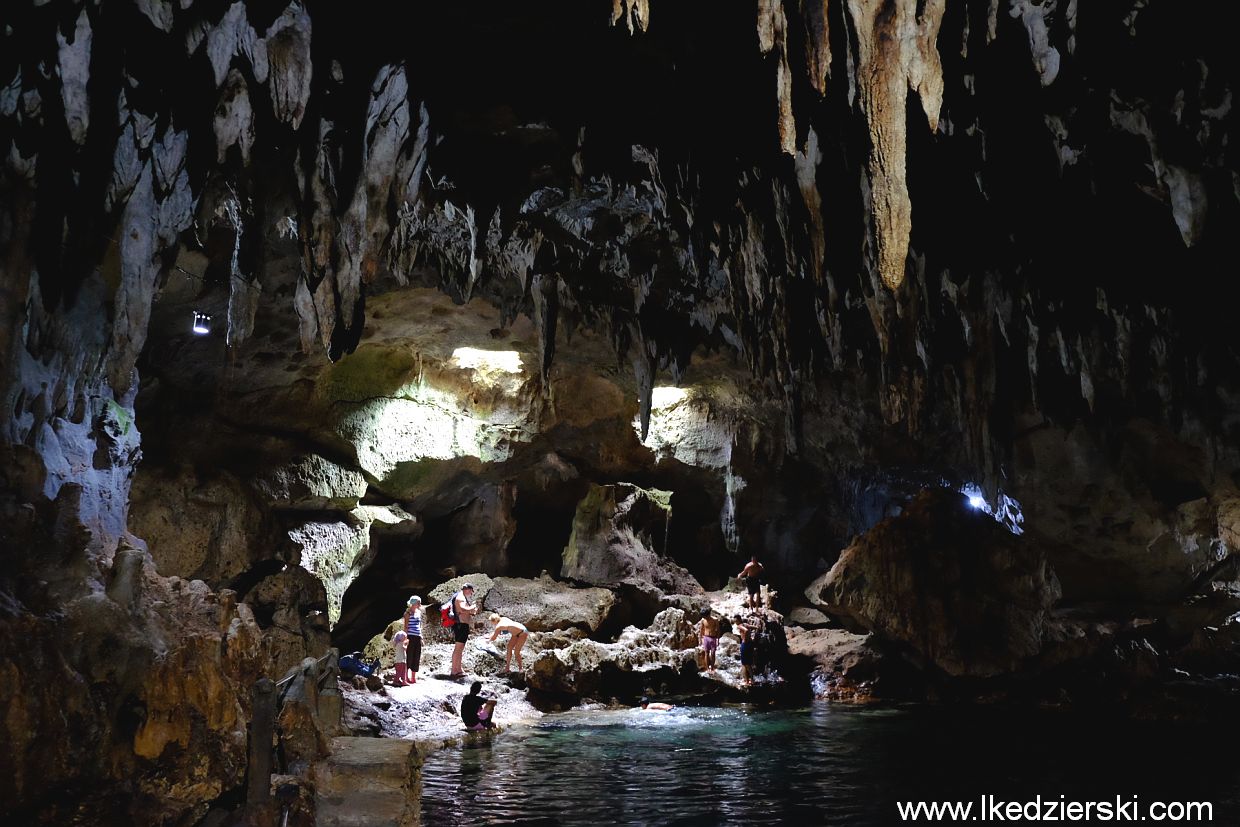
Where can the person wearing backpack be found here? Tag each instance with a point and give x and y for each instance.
(412, 626)
(461, 610)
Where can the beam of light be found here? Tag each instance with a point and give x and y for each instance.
(502, 361)
(666, 397)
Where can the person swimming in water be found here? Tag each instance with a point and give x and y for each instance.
(517, 636)
(655, 706)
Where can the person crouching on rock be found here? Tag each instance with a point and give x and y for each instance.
(708, 634)
(463, 611)
(517, 636)
(477, 711)
(412, 625)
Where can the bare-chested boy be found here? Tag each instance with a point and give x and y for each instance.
(709, 629)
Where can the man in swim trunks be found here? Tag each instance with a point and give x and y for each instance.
(463, 611)
(708, 629)
(517, 636)
(752, 575)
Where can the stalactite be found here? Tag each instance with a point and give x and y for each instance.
(773, 36)
(634, 13)
(818, 45)
(895, 52)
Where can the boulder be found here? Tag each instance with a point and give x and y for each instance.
(808, 617)
(846, 666)
(582, 668)
(949, 583)
(545, 605)
(482, 588)
(618, 539)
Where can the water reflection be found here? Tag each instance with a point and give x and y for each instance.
(824, 765)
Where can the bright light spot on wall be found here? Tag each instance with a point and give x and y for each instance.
(976, 497)
(682, 428)
(1006, 511)
(498, 361)
(666, 397)
(202, 323)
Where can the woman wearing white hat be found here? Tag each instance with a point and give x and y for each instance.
(412, 627)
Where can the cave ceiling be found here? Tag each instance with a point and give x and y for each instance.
(948, 215)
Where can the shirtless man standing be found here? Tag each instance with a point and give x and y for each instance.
(708, 629)
(463, 611)
(752, 575)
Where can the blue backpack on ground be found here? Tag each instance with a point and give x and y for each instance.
(353, 665)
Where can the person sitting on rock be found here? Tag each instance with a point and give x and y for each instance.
(517, 636)
(655, 706)
(463, 611)
(477, 710)
(708, 629)
(752, 575)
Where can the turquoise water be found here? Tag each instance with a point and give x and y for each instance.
(824, 765)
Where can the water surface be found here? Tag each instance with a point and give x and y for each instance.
(823, 765)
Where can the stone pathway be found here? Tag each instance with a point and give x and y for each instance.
(367, 782)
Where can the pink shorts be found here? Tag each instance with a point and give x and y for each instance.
(709, 644)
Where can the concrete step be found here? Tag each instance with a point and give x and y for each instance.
(366, 809)
(366, 781)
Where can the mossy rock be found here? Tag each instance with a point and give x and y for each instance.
(369, 372)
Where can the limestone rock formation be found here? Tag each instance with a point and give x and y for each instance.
(312, 483)
(291, 608)
(587, 668)
(545, 605)
(619, 540)
(847, 668)
(949, 582)
(1142, 528)
(439, 320)
(200, 527)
